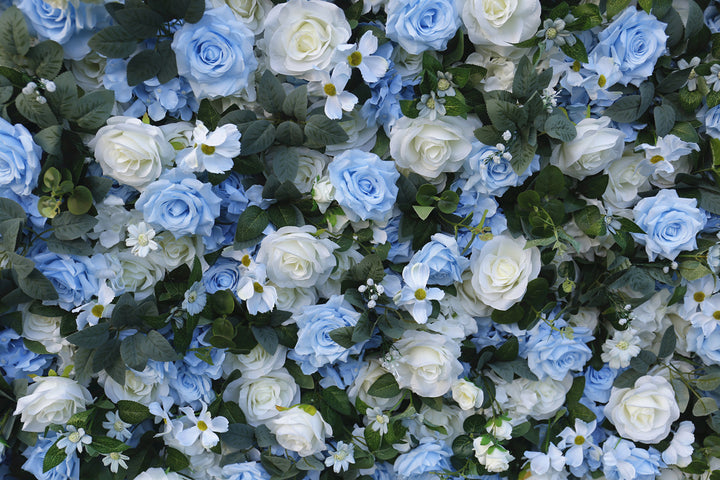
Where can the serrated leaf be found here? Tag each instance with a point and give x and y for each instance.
(159, 348)
(132, 412)
(270, 93)
(113, 42)
(251, 224)
(36, 112)
(92, 110)
(560, 127)
(134, 351)
(36, 285)
(143, 66)
(384, 387)
(14, 35)
(67, 226)
(53, 457)
(91, 337)
(258, 136)
(46, 58)
(295, 104)
(50, 139)
(290, 133)
(321, 131)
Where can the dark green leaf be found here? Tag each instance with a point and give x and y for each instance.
(39, 113)
(321, 131)
(270, 93)
(282, 215)
(590, 221)
(134, 351)
(290, 133)
(67, 226)
(664, 116)
(625, 109)
(91, 337)
(132, 412)
(159, 348)
(143, 66)
(295, 104)
(266, 337)
(108, 445)
(385, 387)
(113, 42)
(343, 336)
(37, 286)
(14, 35)
(239, 436)
(251, 224)
(176, 460)
(93, 109)
(668, 342)
(576, 51)
(46, 58)
(258, 136)
(53, 457)
(140, 22)
(560, 127)
(616, 6)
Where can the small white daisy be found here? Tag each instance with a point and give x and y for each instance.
(140, 238)
(115, 460)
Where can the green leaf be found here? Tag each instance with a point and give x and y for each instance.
(113, 42)
(251, 224)
(290, 133)
(693, 270)
(285, 163)
(593, 186)
(321, 131)
(67, 226)
(22, 266)
(176, 460)
(423, 212)
(525, 81)
(625, 109)
(92, 110)
(266, 337)
(504, 115)
(590, 221)
(46, 58)
(37, 286)
(9, 230)
(159, 348)
(65, 95)
(50, 139)
(210, 116)
(668, 342)
(168, 62)
(132, 412)
(239, 436)
(282, 215)
(270, 93)
(550, 181)
(512, 315)
(53, 457)
(108, 445)
(134, 351)
(343, 336)
(508, 350)
(39, 113)
(338, 400)
(448, 201)
(195, 11)
(522, 156)
(80, 201)
(91, 337)
(14, 35)
(10, 209)
(576, 51)
(372, 438)
(704, 406)
(303, 380)
(708, 382)
(454, 106)
(143, 66)
(664, 116)
(616, 6)
(258, 136)
(560, 127)
(384, 387)
(295, 104)
(682, 394)
(140, 22)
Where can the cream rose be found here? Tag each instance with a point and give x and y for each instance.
(625, 181)
(249, 12)
(258, 397)
(135, 274)
(255, 364)
(431, 147)
(502, 269)
(300, 429)
(157, 474)
(501, 22)
(426, 363)
(51, 401)
(173, 252)
(301, 37)
(595, 146)
(368, 374)
(467, 395)
(296, 258)
(142, 387)
(131, 152)
(45, 330)
(645, 412)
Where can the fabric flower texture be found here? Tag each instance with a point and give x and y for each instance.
(51, 401)
(216, 54)
(364, 185)
(634, 40)
(645, 412)
(181, 204)
(501, 22)
(19, 159)
(420, 25)
(670, 224)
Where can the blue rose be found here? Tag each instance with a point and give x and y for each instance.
(180, 203)
(315, 348)
(68, 469)
(712, 122)
(188, 388)
(418, 463)
(197, 365)
(634, 40)
(707, 347)
(74, 278)
(442, 255)
(420, 25)
(551, 353)
(71, 26)
(494, 173)
(711, 17)
(670, 224)
(215, 54)
(232, 193)
(16, 361)
(224, 274)
(19, 159)
(622, 460)
(245, 471)
(598, 383)
(364, 185)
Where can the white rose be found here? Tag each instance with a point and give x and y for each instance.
(467, 395)
(468, 299)
(426, 363)
(361, 134)
(89, 71)
(157, 474)
(645, 412)
(258, 397)
(431, 147)
(292, 299)
(595, 146)
(173, 252)
(498, 460)
(502, 269)
(323, 192)
(51, 401)
(300, 429)
(256, 363)
(135, 274)
(311, 165)
(368, 374)
(142, 387)
(624, 181)
(501, 22)
(301, 37)
(45, 330)
(179, 134)
(500, 67)
(249, 12)
(131, 152)
(550, 396)
(296, 258)
(451, 418)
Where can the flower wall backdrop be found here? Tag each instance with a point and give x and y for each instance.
(384, 239)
